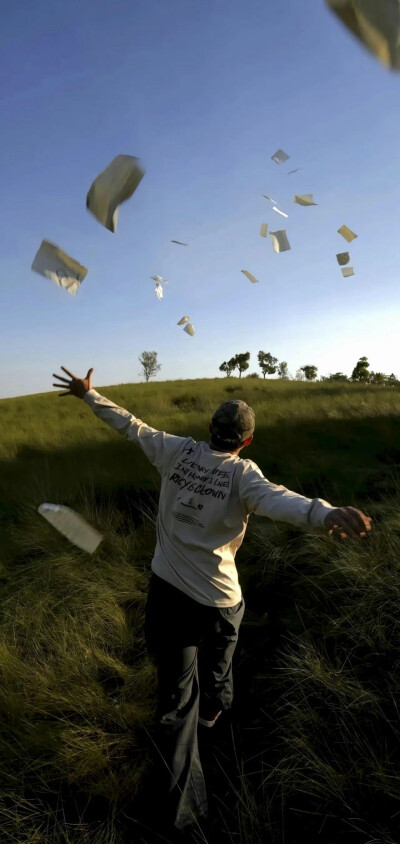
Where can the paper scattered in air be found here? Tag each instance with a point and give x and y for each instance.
(71, 525)
(275, 201)
(280, 241)
(264, 229)
(179, 242)
(250, 277)
(183, 320)
(59, 267)
(304, 199)
(189, 329)
(294, 171)
(348, 271)
(159, 280)
(280, 156)
(347, 233)
(343, 258)
(113, 186)
(274, 208)
(376, 23)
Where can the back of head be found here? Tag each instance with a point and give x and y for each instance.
(232, 423)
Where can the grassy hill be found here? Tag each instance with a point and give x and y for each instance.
(314, 748)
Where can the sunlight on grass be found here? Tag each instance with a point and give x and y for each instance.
(319, 641)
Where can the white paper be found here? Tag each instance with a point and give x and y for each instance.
(250, 276)
(343, 258)
(280, 156)
(113, 186)
(159, 290)
(304, 199)
(51, 262)
(280, 241)
(183, 320)
(189, 329)
(347, 233)
(376, 23)
(179, 242)
(282, 213)
(275, 201)
(348, 271)
(71, 525)
(264, 229)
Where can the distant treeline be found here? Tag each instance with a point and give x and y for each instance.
(269, 365)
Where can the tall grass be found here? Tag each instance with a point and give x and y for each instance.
(316, 746)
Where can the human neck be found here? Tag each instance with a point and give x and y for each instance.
(223, 450)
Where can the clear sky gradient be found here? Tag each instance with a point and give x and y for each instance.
(204, 92)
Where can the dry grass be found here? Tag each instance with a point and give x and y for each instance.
(318, 666)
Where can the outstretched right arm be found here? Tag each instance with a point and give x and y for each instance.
(160, 448)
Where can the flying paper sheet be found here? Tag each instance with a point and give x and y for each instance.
(347, 233)
(274, 208)
(183, 320)
(250, 276)
(71, 525)
(343, 258)
(56, 265)
(264, 229)
(280, 156)
(294, 171)
(189, 329)
(112, 187)
(304, 199)
(280, 241)
(347, 271)
(159, 280)
(376, 23)
(275, 201)
(179, 242)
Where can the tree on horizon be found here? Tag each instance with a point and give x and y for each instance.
(149, 365)
(310, 372)
(267, 363)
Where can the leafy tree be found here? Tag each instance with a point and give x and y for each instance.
(226, 367)
(335, 376)
(267, 363)
(378, 378)
(242, 362)
(149, 364)
(310, 372)
(283, 370)
(253, 375)
(300, 375)
(361, 370)
(392, 380)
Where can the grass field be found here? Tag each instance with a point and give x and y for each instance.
(314, 752)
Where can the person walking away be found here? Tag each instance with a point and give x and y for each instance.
(195, 603)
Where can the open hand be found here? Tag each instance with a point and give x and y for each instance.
(347, 521)
(77, 386)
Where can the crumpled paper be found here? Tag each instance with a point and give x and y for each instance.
(51, 262)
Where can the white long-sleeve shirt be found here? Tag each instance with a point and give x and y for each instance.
(206, 498)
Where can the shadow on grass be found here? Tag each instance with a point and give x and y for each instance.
(345, 461)
(334, 458)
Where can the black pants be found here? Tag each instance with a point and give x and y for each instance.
(192, 646)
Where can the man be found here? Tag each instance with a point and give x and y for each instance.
(207, 494)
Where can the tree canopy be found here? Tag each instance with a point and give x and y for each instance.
(149, 364)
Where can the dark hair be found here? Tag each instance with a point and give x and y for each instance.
(225, 445)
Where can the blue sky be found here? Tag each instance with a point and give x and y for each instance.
(204, 92)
